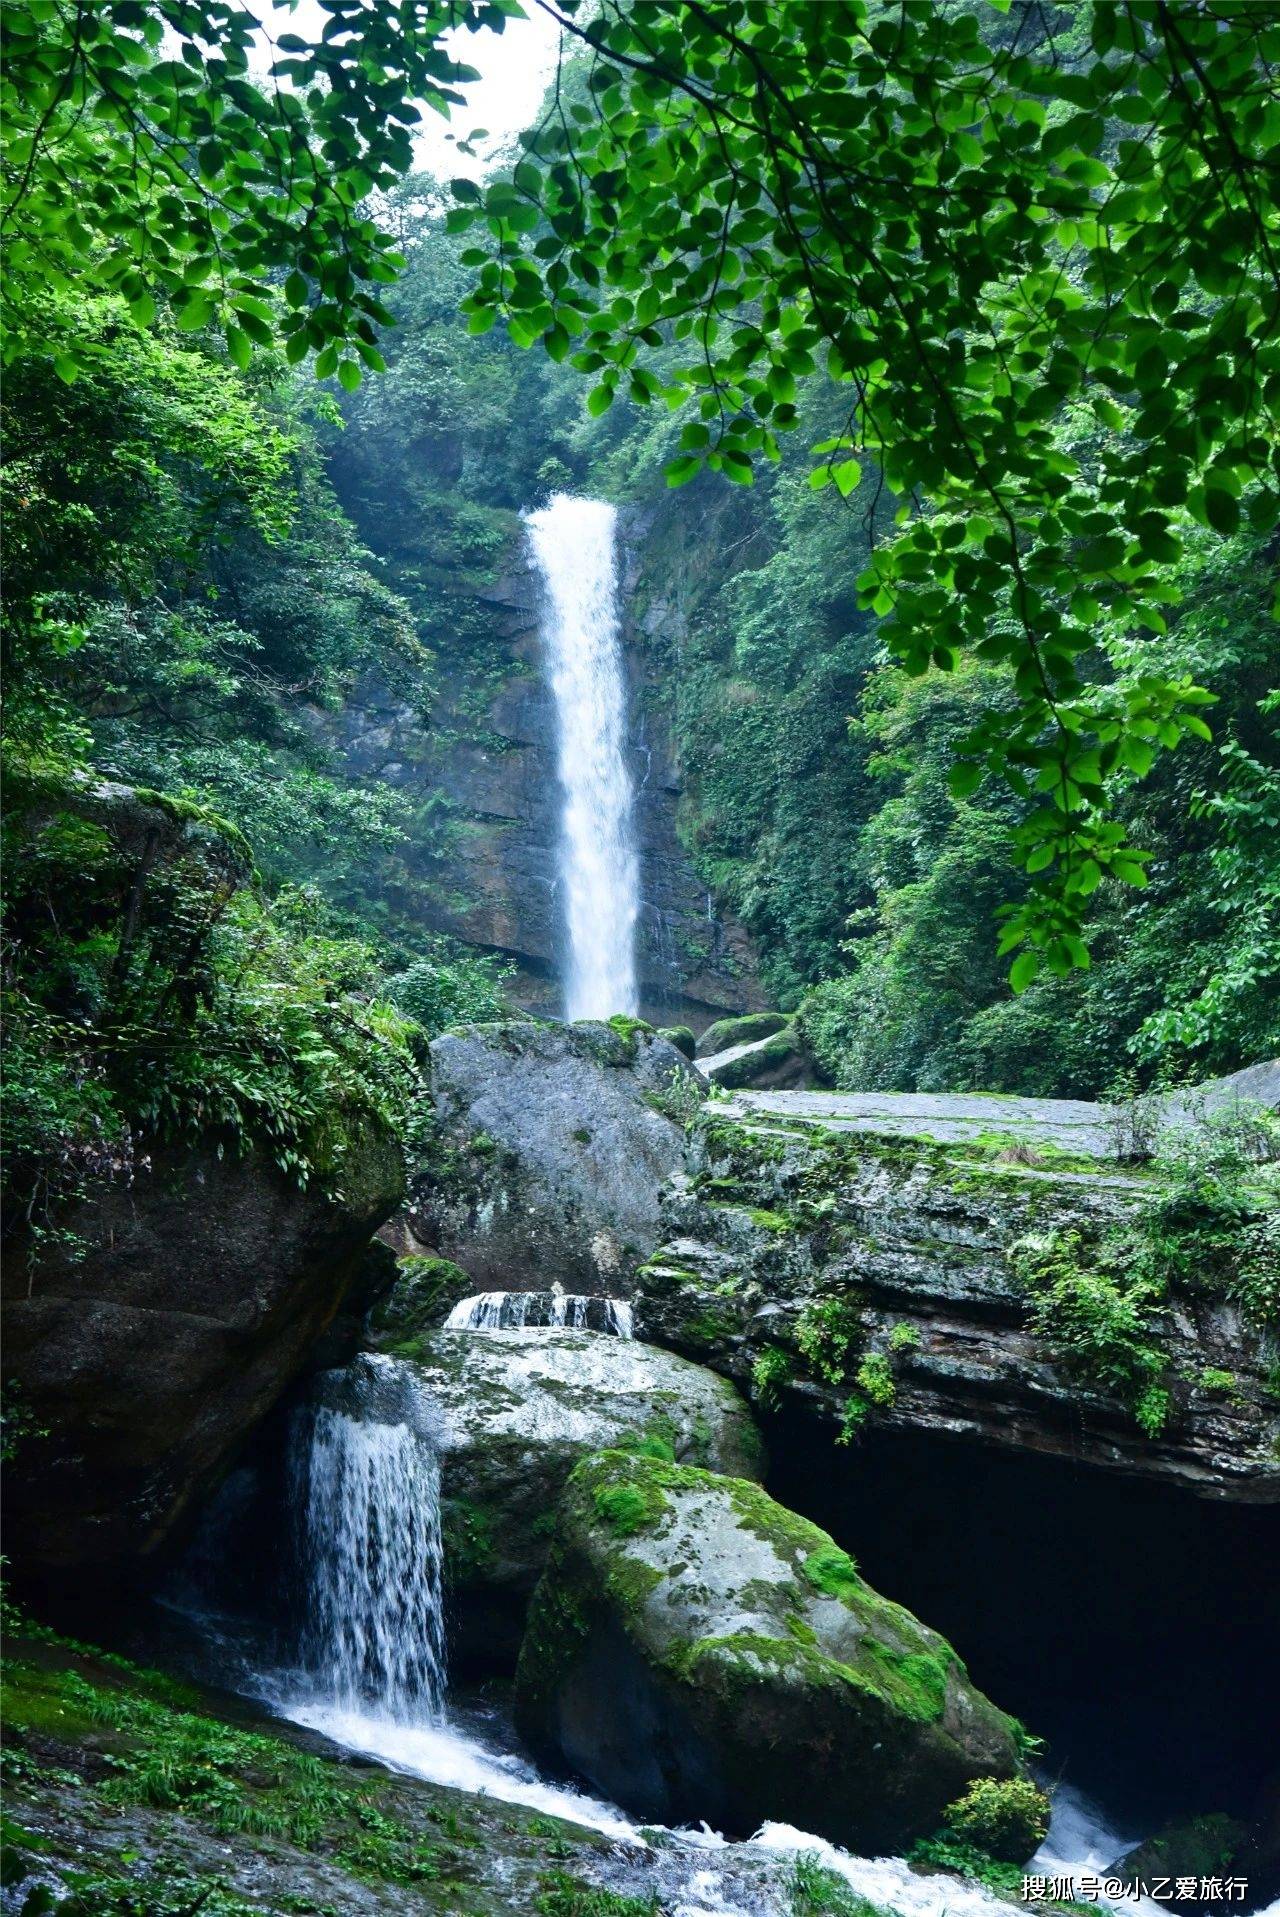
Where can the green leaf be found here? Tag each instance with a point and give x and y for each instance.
(1024, 968)
(964, 778)
(847, 476)
(349, 375)
(680, 471)
(1222, 509)
(239, 346)
(599, 400)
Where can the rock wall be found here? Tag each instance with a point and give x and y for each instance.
(484, 772)
(796, 1256)
(554, 1144)
(149, 1341)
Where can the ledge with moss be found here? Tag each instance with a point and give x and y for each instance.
(985, 1291)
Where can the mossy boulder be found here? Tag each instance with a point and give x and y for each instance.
(697, 1651)
(681, 1036)
(727, 1032)
(779, 1063)
(425, 1290)
(513, 1412)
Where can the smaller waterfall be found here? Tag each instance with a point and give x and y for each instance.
(520, 1310)
(370, 1516)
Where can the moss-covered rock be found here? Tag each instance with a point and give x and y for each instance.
(513, 1412)
(741, 1031)
(770, 1064)
(877, 1280)
(425, 1290)
(698, 1651)
(681, 1036)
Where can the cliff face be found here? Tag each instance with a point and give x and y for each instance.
(876, 1282)
(176, 1313)
(484, 773)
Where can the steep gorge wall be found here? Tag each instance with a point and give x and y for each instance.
(483, 771)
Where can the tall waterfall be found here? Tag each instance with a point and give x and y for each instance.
(370, 1510)
(573, 544)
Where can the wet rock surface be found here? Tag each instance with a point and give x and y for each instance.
(148, 1343)
(798, 1254)
(687, 1624)
(512, 1413)
(554, 1144)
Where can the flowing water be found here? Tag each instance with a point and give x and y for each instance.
(518, 1310)
(369, 1504)
(372, 1675)
(573, 542)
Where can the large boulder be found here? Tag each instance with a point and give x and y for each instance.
(513, 1412)
(167, 1317)
(552, 1146)
(698, 1652)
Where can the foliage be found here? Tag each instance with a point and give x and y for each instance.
(451, 986)
(769, 1372)
(946, 1852)
(875, 1380)
(173, 155)
(154, 995)
(563, 1895)
(1008, 1818)
(817, 1891)
(827, 1331)
(969, 238)
(921, 1004)
(1101, 1323)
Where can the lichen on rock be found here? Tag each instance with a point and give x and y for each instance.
(687, 1622)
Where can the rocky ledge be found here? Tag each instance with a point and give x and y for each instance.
(988, 1289)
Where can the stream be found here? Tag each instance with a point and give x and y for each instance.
(370, 1671)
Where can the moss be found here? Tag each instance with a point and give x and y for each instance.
(426, 1286)
(582, 1136)
(915, 1680)
(628, 1508)
(776, 1221)
(741, 1031)
(681, 1036)
(832, 1571)
(467, 1539)
(654, 1442)
(709, 1327)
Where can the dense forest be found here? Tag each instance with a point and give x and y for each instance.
(927, 353)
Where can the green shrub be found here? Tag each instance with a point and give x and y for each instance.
(1007, 1818)
(769, 1373)
(1100, 1324)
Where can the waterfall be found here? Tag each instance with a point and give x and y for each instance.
(573, 546)
(516, 1310)
(369, 1503)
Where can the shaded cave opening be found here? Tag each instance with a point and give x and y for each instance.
(1129, 1625)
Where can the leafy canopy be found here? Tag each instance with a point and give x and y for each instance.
(163, 151)
(972, 226)
(972, 238)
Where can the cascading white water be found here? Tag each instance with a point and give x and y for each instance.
(573, 545)
(369, 1490)
(374, 1636)
(517, 1310)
